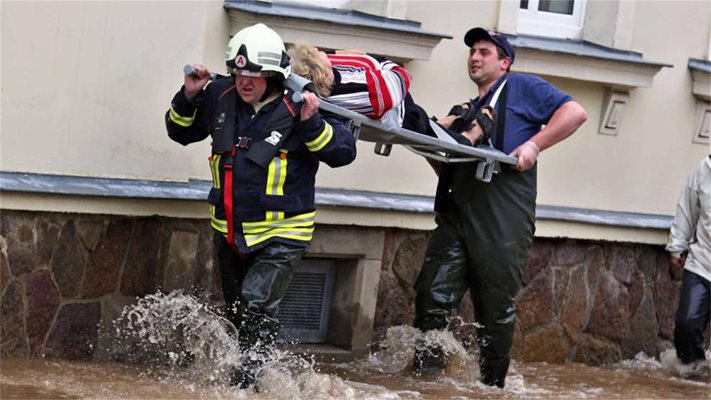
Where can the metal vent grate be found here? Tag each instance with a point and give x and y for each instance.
(304, 310)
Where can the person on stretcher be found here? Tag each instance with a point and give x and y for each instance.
(379, 89)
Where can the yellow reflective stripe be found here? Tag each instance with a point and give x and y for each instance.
(215, 169)
(218, 224)
(322, 140)
(180, 120)
(276, 176)
(259, 231)
(295, 221)
(263, 229)
(299, 227)
(281, 177)
(304, 234)
(275, 215)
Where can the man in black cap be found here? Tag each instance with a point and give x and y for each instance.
(484, 230)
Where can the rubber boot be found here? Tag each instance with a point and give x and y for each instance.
(257, 335)
(430, 360)
(493, 373)
(246, 375)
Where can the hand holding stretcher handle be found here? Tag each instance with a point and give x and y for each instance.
(188, 69)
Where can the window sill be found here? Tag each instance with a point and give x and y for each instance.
(701, 77)
(579, 60)
(337, 29)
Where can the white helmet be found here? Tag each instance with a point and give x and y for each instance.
(257, 48)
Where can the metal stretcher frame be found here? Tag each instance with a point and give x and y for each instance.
(442, 148)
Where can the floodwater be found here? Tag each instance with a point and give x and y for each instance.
(192, 360)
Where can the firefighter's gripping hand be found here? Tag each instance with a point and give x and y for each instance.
(310, 106)
(196, 81)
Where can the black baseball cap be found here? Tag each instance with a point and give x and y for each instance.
(476, 34)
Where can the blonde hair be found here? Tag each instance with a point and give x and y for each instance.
(305, 61)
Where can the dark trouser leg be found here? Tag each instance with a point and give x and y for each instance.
(442, 281)
(440, 286)
(495, 282)
(263, 287)
(232, 272)
(268, 273)
(692, 318)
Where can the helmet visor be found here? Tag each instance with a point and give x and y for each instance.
(252, 74)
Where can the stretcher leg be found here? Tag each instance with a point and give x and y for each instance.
(383, 149)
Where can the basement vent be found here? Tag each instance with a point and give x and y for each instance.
(304, 310)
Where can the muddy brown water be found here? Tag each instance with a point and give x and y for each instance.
(173, 347)
(48, 379)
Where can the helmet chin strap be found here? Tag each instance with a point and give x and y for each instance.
(273, 84)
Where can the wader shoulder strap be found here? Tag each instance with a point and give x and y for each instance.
(502, 96)
(223, 127)
(266, 144)
(445, 175)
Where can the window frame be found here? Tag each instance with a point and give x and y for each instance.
(542, 23)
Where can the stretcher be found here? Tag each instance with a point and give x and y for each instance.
(385, 133)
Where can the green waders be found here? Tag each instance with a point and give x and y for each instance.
(481, 242)
(253, 286)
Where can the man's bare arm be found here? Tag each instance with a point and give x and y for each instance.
(564, 121)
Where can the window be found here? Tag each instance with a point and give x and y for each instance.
(552, 18)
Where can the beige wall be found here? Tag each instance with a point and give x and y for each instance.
(640, 170)
(85, 86)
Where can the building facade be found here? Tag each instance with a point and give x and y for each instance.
(99, 206)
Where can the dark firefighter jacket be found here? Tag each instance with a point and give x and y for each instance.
(269, 202)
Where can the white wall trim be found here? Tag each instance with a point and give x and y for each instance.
(584, 61)
(334, 29)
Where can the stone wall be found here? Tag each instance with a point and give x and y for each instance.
(584, 301)
(65, 276)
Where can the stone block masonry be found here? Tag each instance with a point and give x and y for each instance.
(64, 276)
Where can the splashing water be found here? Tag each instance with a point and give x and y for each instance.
(177, 330)
(191, 352)
(672, 364)
(199, 346)
(395, 353)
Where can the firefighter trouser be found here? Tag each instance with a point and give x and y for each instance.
(253, 286)
(692, 318)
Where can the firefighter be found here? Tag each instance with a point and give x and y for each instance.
(266, 150)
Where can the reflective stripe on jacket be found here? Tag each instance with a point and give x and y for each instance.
(272, 203)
